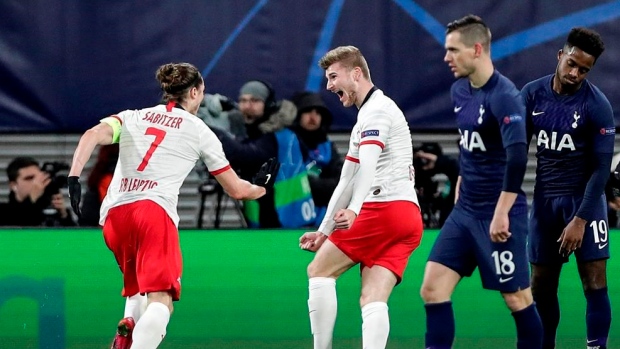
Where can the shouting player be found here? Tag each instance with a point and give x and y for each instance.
(373, 217)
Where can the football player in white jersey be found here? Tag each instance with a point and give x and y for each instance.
(373, 217)
(159, 146)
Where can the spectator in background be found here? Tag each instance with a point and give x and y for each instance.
(220, 111)
(267, 136)
(319, 153)
(98, 183)
(35, 198)
(429, 160)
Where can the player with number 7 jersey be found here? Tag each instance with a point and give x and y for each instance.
(158, 147)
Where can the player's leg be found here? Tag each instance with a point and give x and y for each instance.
(135, 306)
(504, 267)
(151, 329)
(545, 283)
(159, 268)
(450, 259)
(528, 323)
(377, 285)
(390, 242)
(546, 226)
(437, 288)
(116, 233)
(328, 264)
(592, 265)
(598, 307)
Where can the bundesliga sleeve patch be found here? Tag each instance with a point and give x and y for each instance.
(608, 131)
(370, 133)
(512, 118)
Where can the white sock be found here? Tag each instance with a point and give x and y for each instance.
(375, 325)
(322, 307)
(151, 329)
(135, 306)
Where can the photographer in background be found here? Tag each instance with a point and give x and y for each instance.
(223, 113)
(428, 161)
(35, 198)
(267, 136)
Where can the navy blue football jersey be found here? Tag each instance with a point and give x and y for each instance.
(571, 132)
(489, 119)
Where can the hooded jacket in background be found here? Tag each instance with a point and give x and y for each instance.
(324, 173)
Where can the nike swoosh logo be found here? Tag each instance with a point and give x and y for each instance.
(268, 178)
(457, 109)
(591, 341)
(600, 247)
(502, 280)
(534, 113)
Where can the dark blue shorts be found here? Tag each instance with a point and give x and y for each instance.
(464, 243)
(548, 219)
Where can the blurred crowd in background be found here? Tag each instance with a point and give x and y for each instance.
(254, 126)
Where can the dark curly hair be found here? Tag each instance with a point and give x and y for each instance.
(587, 40)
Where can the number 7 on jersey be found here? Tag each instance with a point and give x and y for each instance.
(159, 137)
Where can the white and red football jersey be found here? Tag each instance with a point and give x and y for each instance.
(158, 148)
(381, 122)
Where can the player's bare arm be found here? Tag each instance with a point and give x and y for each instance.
(103, 133)
(500, 225)
(238, 188)
(100, 134)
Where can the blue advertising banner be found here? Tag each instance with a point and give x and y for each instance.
(66, 64)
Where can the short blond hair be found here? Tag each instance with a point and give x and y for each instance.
(349, 56)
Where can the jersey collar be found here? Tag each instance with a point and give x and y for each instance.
(372, 90)
(173, 104)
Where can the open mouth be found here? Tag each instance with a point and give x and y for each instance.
(340, 93)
